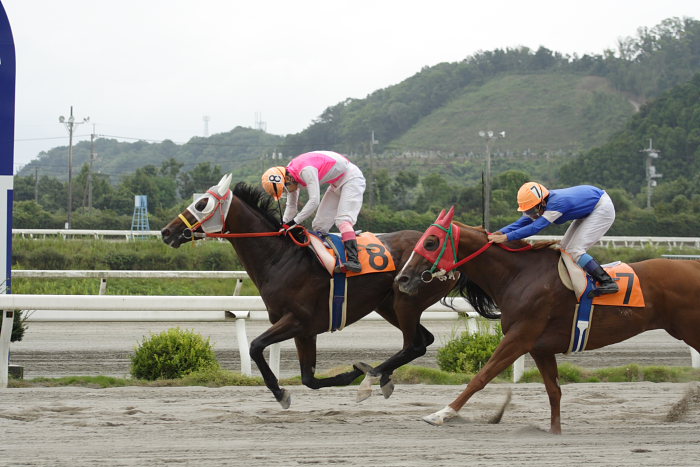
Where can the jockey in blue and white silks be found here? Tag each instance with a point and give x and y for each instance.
(591, 211)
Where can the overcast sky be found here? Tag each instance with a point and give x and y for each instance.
(153, 69)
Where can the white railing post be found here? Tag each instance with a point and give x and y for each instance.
(518, 368)
(275, 359)
(239, 285)
(242, 338)
(8, 318)
(694, 357)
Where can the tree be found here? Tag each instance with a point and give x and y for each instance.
(199, 179)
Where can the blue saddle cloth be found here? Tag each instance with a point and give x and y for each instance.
(339, 286)
(582, 319)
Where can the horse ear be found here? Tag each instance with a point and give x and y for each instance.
(440, 216)
(450, 214)
(446, 219)
(224, 183)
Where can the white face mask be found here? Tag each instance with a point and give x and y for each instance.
(211, 208)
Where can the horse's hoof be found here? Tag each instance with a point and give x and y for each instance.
(388, 389)
(363, 394)
(365, 388)
(286, 399)
(441, 416)
(363, 367)
(433, 419)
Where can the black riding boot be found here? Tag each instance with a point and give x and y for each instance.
(606, 284)
(352, 264)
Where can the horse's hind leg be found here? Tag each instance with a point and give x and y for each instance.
(287, 327)
(547, 364)
(513, 345)
(306, 352)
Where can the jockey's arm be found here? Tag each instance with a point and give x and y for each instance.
(291, 207)
(313, 186)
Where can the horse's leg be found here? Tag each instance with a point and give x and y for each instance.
(416, 340)
(306, 352)
(421, 339)
(513, 345)
(287, 327)
(547, 364)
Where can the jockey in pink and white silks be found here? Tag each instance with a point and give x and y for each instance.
(340, 205)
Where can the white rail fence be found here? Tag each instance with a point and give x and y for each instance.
(176, 308)
(607, 241)
(158, 308)
(104, 307)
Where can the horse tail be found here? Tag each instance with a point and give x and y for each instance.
(477, 298)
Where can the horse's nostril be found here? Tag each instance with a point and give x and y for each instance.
(402, 279)
(165, 232)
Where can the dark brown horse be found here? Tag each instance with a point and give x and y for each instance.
(537, 309)
(295, 287)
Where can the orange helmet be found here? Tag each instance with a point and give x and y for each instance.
(530, 195)
(273, 181)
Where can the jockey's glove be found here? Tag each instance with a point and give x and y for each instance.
(288, 226)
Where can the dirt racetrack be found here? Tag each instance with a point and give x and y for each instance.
(603, 423)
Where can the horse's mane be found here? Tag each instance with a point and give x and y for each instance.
(480, 300)
(258, 200)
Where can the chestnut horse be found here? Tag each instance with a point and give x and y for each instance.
(537, 309)
(295, 287)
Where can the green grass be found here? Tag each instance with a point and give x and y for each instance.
(625, 374)
(408, 374)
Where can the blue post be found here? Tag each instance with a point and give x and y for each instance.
(7, 146)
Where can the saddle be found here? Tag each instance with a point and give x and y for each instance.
(372, 254)
(575, 278)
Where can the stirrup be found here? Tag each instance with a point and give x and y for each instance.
(604, 290)
(353, 266)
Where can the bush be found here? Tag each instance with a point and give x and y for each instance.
(122, 260)
(18, 326)
(467, 353)
(172, 354)
(47, 258)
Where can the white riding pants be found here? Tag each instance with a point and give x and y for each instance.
(341, 203)
(584, 233)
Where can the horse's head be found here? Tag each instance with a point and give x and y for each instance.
(433, 256)
(207, 213)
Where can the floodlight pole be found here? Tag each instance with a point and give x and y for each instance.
(489, 136)
(651, 171)
(70, 124)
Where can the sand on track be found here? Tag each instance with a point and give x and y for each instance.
(603, 424)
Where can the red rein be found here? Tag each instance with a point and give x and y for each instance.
(264, 234)
(481, 250)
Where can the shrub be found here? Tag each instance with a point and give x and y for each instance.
(47, 258)
(18, 326)
(467, 353)
(122, 260)
(172, 354)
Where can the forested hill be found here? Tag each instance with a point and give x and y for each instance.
(672, 123)
(443, 106)
(238, 151)
(545, 101)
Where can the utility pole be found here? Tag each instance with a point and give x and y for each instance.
(489, 136)
(651, 171)
(36, 185)
(70, 124)
(92, 160)
(372, 142)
